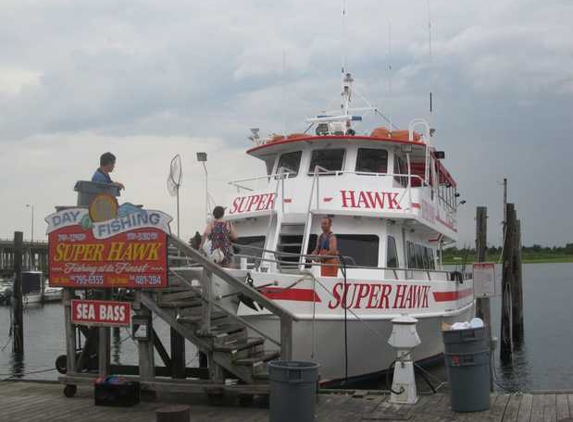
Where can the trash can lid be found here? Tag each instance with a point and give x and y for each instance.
(294, 364)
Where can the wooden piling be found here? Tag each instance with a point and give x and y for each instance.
(517, 328)
(17, 305)
(482, 303)
(506, 343)
(483, 308)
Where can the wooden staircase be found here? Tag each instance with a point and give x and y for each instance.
(191, 309)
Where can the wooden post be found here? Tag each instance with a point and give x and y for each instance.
(177, 354)
(506, 344)
(104, 349)
(483, 309)
(286, 338)
(482, 303)
(517, 328)
(70, 332)
(146, 351)
(17, 305)
(207, 289)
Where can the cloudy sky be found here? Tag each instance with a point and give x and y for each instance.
(150, 79)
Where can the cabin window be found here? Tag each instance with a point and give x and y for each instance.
(392, 254)
(289, 244)
(411, 255)
(429, 253)
(361, 248)
(419, 256)
(251, 246)
(400, 168)
(290, 162)
(372, 160)
(328, 160)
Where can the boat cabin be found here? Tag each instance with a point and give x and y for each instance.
(391, 200)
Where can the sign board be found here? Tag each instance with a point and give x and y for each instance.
(101, 313)
(484, 279)
(129, 250)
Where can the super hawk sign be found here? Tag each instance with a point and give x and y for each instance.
(129, 250)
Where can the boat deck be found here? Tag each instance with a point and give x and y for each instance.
(34, 401)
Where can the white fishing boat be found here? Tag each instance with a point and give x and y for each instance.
(393, 206)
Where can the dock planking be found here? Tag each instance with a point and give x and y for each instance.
(39, 402)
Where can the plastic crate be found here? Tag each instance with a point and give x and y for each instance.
(117, 395)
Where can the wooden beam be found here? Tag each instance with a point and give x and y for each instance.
(145, 349)
(70, 332)
(286, 338)
(160, 349)
(178, 363)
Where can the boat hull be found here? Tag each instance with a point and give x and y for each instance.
(323, 341)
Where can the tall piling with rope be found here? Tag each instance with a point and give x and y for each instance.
(517, 329)
(509, 283)
(482, 303)
(483, 306)
(512, 326)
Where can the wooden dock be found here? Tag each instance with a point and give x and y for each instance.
(39, 402)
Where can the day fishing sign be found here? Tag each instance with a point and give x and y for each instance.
(128, 250)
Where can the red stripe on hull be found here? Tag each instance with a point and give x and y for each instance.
(297, 295)
(449, 296)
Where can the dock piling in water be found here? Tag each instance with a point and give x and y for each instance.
(483, 306)
(517, 330)
(17, 304)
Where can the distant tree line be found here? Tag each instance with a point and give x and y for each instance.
(535, 248)
(531, 253)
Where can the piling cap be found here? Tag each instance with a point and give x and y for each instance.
(404, 319)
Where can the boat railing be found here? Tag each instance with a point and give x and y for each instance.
(316, 260)
(281, 174)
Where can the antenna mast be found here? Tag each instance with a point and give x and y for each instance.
(343, 43)
(430, 56)
(389, 67)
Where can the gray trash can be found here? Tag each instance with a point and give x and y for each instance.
(467, 362)
(88, 190)
(293, 391)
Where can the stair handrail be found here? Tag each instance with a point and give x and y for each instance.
(286, 317)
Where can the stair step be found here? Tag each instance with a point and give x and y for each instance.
(196, 318)
(182, 304)
(259, 359)
(250, 343)
(226, 329)
(231, 338)
(171, 289)
(177, 296)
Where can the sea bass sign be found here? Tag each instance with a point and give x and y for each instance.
(128, 250)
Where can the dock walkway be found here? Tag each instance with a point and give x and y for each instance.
(42, 402)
